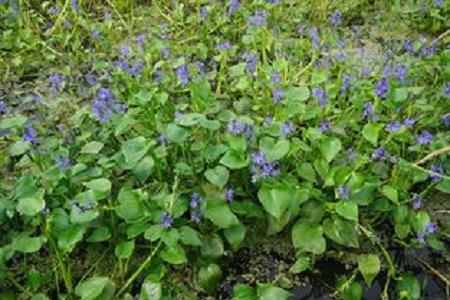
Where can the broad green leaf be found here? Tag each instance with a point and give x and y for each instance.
(130, 205)
(124, 250)
(150, 290)
(212, 247)
(220, 214)
(269, 292)
(12, 122)
(341, 231)
(247, 208)
(170, 237)
(177, 134)
(190, 119)
(347, 209)
(244, 292)
(297, 93)
(100, 187)
(218, 176)
(302, 263)
(31, 205)
(330, 147)
(92, 148)
(99, 235)
(174, 255)
(189, 236)
(369, 266)
(144, 168)
(390, 193)
(307, 237)
(370, 132)
(234, 160)
(209, 277)
(70, 237)
(274, 150)
(133, 150)
(353, 292)
(153, 233)
(238, 143)
(235, 235)
(96, 288)
(19, 148)
(275, 200)
(25, 244)
(306, 171)
(408, 288)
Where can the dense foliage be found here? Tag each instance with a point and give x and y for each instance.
(153, 134)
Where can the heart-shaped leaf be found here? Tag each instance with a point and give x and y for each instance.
(274, 150)
(369, 266)
(218, 176)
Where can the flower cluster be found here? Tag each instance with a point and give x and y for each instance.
(166, 220)
(183, 74)
(343, 191)
(436, 169)
(261, 168)
(429, 229)
(63, 163)
(259, 19)
(236, 127)
(30, 134)
(196, 211)
(104, 105)
(82, 209)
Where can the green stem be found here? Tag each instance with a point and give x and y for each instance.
(17, 285)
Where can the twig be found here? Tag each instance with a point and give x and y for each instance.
(440, 37)
(434, 271)
(433, 154)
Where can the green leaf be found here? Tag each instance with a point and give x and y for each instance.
(297, 93)
(274, 151)
(31, 205)
(238, 143)
(370, 132)
(13, 122)
(190, 119)
(19, 148)
(25, 244)
(408, 287)
(369, 266)
(174, 255)
(209, 278)
(303, 263)
(234, 160)
(96, 288)
(212, 247)
(341, 231)
(177, 134)
(353, 292)
(244, 292)
(70, 237)
(133, 150)
(307, 237)
(153, 233)
(170, 237)
(269, 292)
(347, 209)
(218, 176)
(201, 94)
(275, 200)
(150, 290)
(189, 236)
(92, 148)
(124, 250)
(220, 214)
(390, 193)
(99, 235)
(235, 235)
(100, 187)
(306, 171)
(444, 186)
(247, 208)
(130, 208)
(144, 168)
(330, 147)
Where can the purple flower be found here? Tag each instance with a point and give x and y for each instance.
(394, 126)
(420, 237)
(369, 112)
(275, 78)
(318, 92)
(200, 67)
(163, 139)
(267, 121)
(438, 3)
(229, 194)
(125, 51)
(166, 220)
(236, 126)
(95, 34)
(224, 46)
(2, 107)
(278, 93)
(252, 59)
(409, 46)
(424, 138)
(336, 19)
(379, 154)
(63, 163)
(124, 65)
(107, 15)
(177, 114)
(417, 201)
(196, 215)
(400, 73)
(104, 105)
(409, 123)
(346, 82)
(75, 5)
(351, 154)
(30, 134)
(234, 4)
(437, 169)
(393, 159)
(325, 125)
(447, 90)
(431, 228)
(261, 168)
(315, 38)
(382, 87)
(57, 84)
(203, 13)
(164, 30)
(343, 192)
(183, 74)
(445, 119)
(54, 10)
(195, 203)
(66, 23)
(258, 19)
(140, 39)
(300, 29)
(286, 129)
